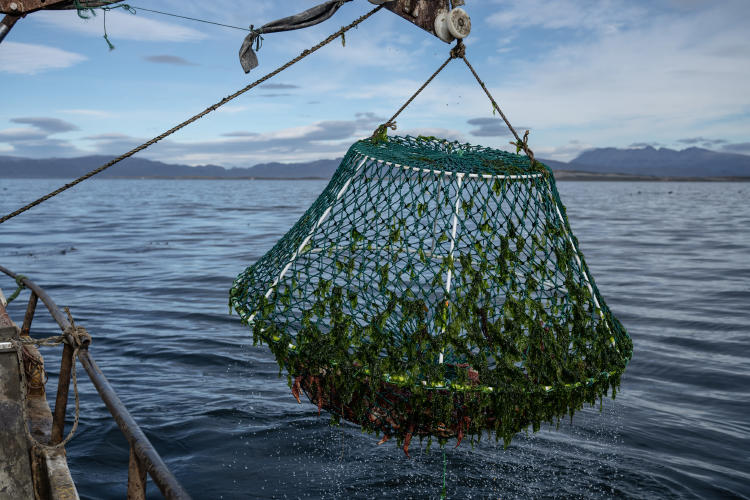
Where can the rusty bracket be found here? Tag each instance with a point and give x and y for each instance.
(16, 9)
(421, 12)
(23, 7)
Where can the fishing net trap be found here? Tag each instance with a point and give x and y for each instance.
(435, 289)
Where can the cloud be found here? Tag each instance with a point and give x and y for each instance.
(321, 139)
(366, 122)
(566, 152)
(274, 95)
(49, 125)
(87, 112)
(240, 134)
(603, 85)
(279, 86)
(738, 147)
(120, 26)
(306, 142)
(30, 59)
(21, 135)
(35, 141)
(604, 16)
(702, 141)
(114, 143)
(232, 108)
(641, 145)
(369, 119)
(167, 59)
(492, 127)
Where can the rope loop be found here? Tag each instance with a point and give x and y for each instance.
(21, 286)
(81, 339)
(20, 345)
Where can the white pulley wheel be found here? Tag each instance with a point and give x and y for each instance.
(459, 23)
(441, 26)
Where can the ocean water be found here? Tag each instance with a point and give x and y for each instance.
(146, 266)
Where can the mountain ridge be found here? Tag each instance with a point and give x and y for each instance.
(642, 162)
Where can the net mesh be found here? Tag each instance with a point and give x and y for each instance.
(435, 289)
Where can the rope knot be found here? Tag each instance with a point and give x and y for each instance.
(459, 51)
(381, 133)
(523, 144)
(527, 149)
(81, 337)
(255, 35)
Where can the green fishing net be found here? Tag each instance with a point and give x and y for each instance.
(435, 289)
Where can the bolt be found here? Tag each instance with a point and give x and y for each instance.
(13, 6)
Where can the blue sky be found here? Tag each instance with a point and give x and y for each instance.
(578, 73)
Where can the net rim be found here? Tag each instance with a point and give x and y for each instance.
(456, 173)
(441, 156)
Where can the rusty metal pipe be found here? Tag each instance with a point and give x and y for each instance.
(29, 316)
(61, 401)
(60, 318)
(143, 448)
(136, 477)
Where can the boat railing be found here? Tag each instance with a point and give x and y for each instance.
(144, 459)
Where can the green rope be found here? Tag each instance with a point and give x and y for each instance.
(21, 286)
(83, 11)
(106, 38)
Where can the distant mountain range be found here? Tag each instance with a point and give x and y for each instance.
(14, 167)
(605, 163)
(662, 162)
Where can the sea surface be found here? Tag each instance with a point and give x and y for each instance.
(146, 266)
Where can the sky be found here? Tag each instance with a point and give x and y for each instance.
(579, 74)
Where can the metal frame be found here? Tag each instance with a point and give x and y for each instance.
(16, 9)
(419, 12)
(144, 459)
(23, 7)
